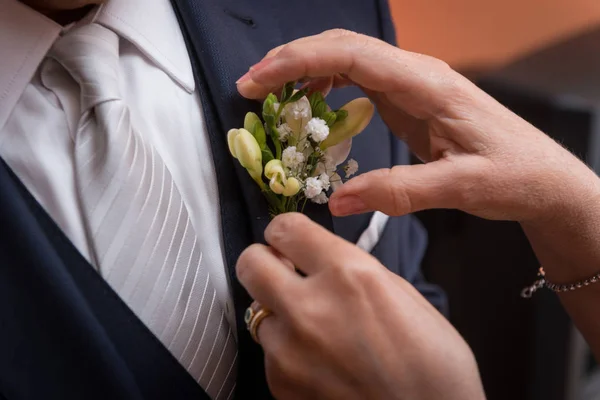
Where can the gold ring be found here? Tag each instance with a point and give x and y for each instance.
(253, 317)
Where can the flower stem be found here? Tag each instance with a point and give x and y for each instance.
(304, 205)
(277, 149)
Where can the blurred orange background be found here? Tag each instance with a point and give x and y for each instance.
(478, 35)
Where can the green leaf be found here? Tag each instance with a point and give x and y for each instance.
(328, 117)
(287, 91)
(320, 110)
(275, 201)
(267, 155)
(297, 96)
(314, 99)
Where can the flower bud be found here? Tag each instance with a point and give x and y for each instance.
(276, 186)
(297, 114)
(278, 182)
(249, 121)
(329, 118)
(253, 124)
(269, 105)
(360, 111)
(230, 137)
(292, 187)
(274, 168)
(244, 147)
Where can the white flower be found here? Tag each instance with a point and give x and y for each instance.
(351, 168)
(284, 132)
(324, 178)
(297, 114)
(299, 109)
(291, 158)
(329, 162)
(317, 129)
(321, 198)
(314, 186)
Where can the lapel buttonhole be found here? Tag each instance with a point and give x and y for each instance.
(245, 19)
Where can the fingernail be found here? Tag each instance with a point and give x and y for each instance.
(244, 78)
(348, 205)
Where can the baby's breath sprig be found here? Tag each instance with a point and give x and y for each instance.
(294, 152)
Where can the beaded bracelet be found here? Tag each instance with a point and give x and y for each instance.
(543, 282)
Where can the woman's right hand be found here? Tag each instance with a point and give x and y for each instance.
(479, 157)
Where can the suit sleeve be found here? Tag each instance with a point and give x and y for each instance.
(404, 241)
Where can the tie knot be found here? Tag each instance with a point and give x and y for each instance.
(90, 53)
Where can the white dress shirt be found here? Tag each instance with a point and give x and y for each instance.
(36, 128)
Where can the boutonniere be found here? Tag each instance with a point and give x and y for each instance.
(296, 151)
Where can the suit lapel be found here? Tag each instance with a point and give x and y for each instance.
(227, 38)
(212, 29)
(244, 214)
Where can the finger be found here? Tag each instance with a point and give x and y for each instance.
(340, 81)
(308, 245)
(422, 83)
(252, 90)
(322, 85)
(285, 261)
(266, 278)
(401, 190)
(267, 331)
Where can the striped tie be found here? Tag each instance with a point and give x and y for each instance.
(140, 237)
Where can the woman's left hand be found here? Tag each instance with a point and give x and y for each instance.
(350, 329)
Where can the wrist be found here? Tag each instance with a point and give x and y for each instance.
(570, 195)
(565, 236)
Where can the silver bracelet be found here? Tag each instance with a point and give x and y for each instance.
(569, 287)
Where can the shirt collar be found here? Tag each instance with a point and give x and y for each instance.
(26, 36)
(153, 28)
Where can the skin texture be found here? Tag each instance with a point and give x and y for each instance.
(62, 11)
(478, 157)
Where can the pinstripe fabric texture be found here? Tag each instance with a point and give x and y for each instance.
(141, 239)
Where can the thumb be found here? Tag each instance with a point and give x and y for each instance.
(400, 190)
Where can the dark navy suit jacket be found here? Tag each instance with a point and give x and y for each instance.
(64, 334)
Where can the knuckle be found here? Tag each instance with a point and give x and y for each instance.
(291, 50)
(441, 65)
(349, 276)
(307, 321)
(279, 229)
(434, 63)
(248, 260)
(339, 32)
(361, 276)
(309, 310)
(274, 51)
(400, 200)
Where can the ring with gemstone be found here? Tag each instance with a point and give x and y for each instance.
(253, 317)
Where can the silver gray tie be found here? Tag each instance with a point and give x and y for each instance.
(140, 237)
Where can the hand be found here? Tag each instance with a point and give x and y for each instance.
(350, 329)
(480, 157)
